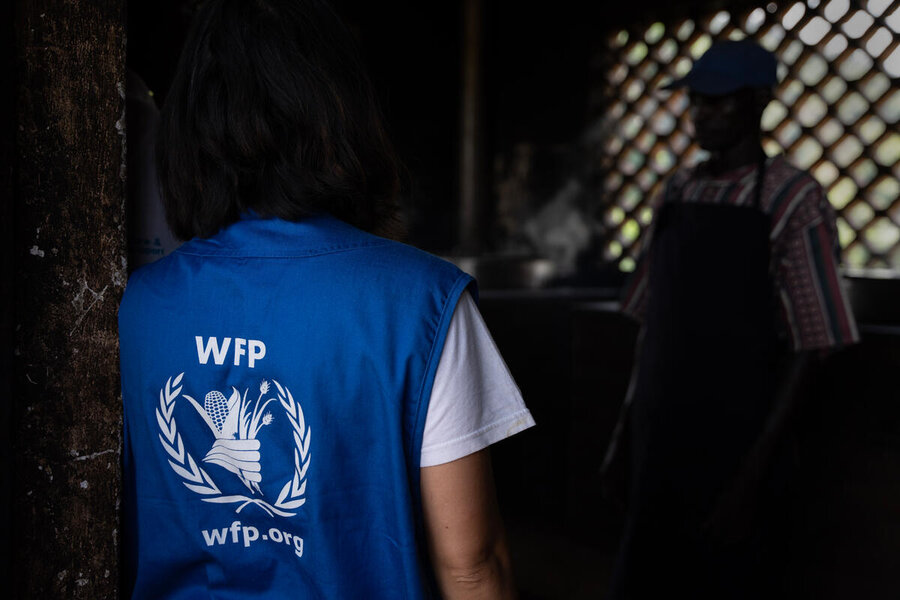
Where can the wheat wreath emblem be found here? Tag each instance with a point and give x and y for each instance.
(235, 426)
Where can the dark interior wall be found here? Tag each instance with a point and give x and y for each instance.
(67, 253)
(537, 69)
(412, 51)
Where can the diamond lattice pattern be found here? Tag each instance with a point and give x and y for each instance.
(835, 114)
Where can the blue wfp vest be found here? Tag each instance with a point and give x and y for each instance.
(276, 379)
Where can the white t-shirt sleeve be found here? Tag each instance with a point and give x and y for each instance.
(474, 400)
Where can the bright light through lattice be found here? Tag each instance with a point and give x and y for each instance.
(835, 113)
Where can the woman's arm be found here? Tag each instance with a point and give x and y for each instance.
(465, 535)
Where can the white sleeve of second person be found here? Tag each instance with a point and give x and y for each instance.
(474, 400)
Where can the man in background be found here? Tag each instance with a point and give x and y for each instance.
(737, 291)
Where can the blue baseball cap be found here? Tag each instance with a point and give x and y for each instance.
(729, 66)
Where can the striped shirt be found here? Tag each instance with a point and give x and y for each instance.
(813, 306)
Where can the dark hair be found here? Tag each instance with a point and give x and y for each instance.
(270, 110)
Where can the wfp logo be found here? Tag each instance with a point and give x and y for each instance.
(235, 423)
(229, 418)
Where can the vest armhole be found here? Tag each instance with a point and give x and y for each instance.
(462, 282)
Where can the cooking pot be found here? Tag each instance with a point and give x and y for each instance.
(503, 272)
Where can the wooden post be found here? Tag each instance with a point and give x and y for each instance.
(471, 169)
(69, 272)
(7, 277)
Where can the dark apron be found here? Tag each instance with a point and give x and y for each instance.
(701, 396)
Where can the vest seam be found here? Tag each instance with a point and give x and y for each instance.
(462, 281)
(309, 254)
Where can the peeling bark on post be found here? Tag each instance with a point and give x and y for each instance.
(69, 254)
(7, 249)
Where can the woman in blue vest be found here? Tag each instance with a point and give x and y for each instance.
(307, 403)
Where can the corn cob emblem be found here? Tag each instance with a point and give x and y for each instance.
(216, 406)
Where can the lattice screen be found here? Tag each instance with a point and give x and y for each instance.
(835, 114)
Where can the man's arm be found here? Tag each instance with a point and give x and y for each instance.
(784, 405)
(732, 517)
(465, 535)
